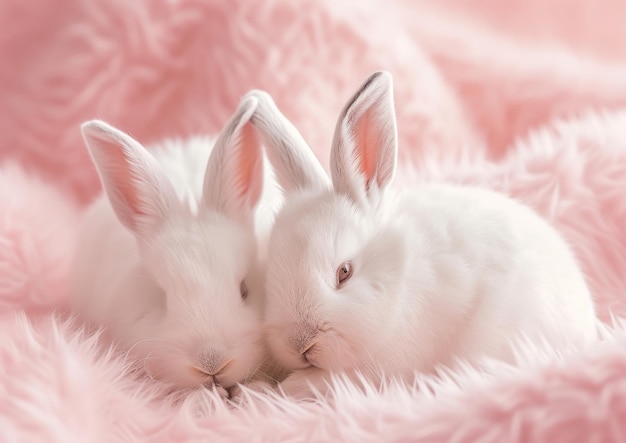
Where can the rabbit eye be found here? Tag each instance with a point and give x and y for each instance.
(344, 272)
(243, 289)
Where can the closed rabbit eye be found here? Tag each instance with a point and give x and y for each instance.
(243, 289)
(344, 272)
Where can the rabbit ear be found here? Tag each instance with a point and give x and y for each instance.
(139, 191)
(364, 152)
(234, 176)
(295, 165)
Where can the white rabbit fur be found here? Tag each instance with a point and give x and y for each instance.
(439, 272)
(164, 249)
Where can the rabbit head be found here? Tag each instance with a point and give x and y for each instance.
(332, 272)
(190, 320)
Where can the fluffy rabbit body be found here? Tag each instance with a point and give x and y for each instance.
(168, 251)
(366, 279)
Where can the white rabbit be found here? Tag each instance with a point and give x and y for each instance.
(166, 251)
(363, 279)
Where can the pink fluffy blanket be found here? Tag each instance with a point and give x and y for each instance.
(526, 97)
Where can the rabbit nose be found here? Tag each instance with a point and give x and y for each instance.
(212, 362)
(304, 351)
(302, 339)
(309, 353)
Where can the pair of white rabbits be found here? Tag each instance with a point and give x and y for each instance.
(183, 264)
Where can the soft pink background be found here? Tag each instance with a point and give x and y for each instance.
(528, 97)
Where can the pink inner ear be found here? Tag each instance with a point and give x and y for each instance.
(137, 189)
(122, 174)
(366, 142)
(118, 164)
(248, 181)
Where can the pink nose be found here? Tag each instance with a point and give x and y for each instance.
(308, 349)
(302, 338)
(212, 361)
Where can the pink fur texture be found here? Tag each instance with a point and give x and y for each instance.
(527, 98)
(37, 232)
